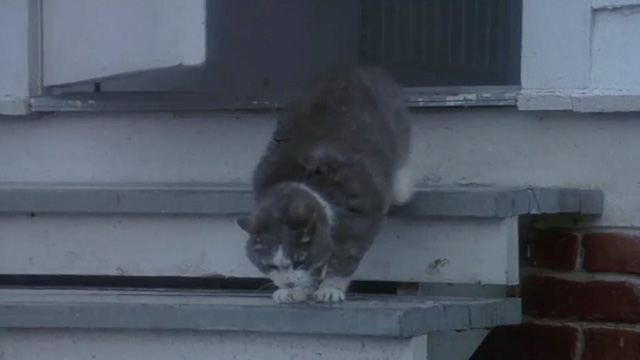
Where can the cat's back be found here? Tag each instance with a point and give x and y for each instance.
(350, 119)
(354, 105)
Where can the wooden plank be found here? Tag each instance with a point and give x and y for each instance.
(450, 250)
(223, 199)
(395, 316)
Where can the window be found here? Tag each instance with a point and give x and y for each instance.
(218, 54)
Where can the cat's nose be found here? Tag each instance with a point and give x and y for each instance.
(289, 284)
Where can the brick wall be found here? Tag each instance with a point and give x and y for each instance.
(581, 299)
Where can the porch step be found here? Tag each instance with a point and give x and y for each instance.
(70, 323)
(445, 235)
(428, 249)
(220, 199)
(393, 315)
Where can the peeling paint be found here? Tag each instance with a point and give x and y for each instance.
(438, 264)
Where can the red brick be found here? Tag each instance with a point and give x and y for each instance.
(529, 342)
(549, 297)
(612, 253)
(611, 344)
(552, 250)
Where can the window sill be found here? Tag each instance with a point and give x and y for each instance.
(586, 101)
(185, 102)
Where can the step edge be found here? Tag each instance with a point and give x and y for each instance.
(231, 199)
(408, 321)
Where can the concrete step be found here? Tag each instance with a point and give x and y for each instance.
(196, 324)
(446, 235)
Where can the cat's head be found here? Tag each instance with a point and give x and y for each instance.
(289, 237)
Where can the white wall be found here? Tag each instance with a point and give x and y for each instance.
(498, 146)
(616, 49)
(580, 55)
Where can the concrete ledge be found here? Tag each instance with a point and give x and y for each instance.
(219, 199)
(391, 316)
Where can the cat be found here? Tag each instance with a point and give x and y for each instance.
(336, 161)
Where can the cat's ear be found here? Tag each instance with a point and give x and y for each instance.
(245, 224)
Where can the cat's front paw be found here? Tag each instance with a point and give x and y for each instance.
(329, 295)
(290, 295)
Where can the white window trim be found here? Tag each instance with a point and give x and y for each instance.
(15, 100)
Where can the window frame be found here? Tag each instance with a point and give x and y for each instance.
(42, 100)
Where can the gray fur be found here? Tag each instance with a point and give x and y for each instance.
(345, 138)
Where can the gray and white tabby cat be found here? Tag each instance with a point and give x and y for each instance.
(337, 160)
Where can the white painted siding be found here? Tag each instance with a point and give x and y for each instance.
(580, 55)
(616, 50)
(555, 46)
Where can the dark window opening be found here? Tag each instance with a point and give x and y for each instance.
(444, 42)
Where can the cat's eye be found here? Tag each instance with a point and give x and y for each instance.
(299, 260)
(257, 243)
(271, 267)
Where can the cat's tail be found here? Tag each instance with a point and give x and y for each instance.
(403, 187)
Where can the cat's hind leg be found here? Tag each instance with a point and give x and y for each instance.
(403, 185)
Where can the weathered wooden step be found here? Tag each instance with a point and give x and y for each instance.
(79, 324)
(222, 199)
(447, 235)
(392, 316)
